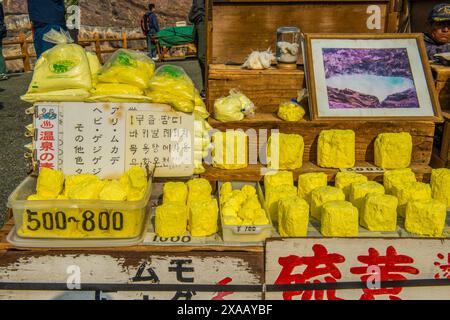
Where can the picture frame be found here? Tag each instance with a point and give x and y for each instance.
(383, 77)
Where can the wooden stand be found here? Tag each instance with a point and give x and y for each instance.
(441, 154)
(442, 77)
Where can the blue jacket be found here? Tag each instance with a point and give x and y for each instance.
(151, 25)
(47, 12)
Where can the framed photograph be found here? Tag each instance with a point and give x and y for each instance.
(369, 77)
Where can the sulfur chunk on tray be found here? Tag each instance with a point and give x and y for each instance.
(344, 181)
(49, 183)
(230, 150)
(336, 149)
(285, 151)
(393, 150)
(203, 218)
(359, 191)
(440, 185)
(293, 217)
(426, 218)
(322, 195)
(279, 178)
(379, 213)
(276, 194)
(113, 191)
(175, 192)
(411, 191)
(308, 182)
(171, 219)
(339, 219)
(397, 178)
(198, 190)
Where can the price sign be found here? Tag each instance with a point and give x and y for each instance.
(363, 170)
(247, 229)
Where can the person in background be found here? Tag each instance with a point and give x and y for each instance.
(150, 27)
(45, 15)
(3, 31)
(197, 17)
(437, 39)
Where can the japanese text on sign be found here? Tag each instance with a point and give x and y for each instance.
(47, 136)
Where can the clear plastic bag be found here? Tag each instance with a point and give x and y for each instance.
(233, 107)
(171, 85)
(117, 92)
(128, 67)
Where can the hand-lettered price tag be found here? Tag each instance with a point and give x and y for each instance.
(363, 170)
(247, 230)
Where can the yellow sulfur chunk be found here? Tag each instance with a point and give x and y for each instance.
(249, 190)
(411, 191)
(336, 149)
(49, 183)
(261, 220)
(322, 195)
(199, 189)
(171, 219)
(228, 211)
(252, 203)
(135, 182)
(285, 151)
(175, 192)
(86, 190)
(339, 219)
(226, 192)
(393, 150)
(344, 181)
(230, 150)
(426, 218)
(291, 111)
(232, 221)
(272, 180)
(73, 180)
(293, 217)
(275, 194)
(359, 191)
(246, 214)
(113, 191)
(203, 216)
(379, 213)
(397, 178)
(440, 185)
(308, 182)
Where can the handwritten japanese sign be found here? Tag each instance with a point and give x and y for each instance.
(46, 141)
(371, 262)
(106, 139)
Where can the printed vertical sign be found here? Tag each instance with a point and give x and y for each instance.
(94, 139)
(164, 139)
(46, 142)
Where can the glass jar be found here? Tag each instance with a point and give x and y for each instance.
(288, 45)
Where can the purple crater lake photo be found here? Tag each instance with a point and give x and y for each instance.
(369, 79)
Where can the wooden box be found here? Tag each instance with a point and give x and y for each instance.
(441, 153)
(442, 78)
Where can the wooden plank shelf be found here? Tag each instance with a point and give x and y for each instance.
(254, 172)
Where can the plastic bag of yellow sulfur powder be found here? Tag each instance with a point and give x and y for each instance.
(291, 111)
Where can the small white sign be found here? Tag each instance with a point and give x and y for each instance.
(46, 142)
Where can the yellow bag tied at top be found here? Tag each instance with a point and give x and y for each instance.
(440, 185)
(272, 180)
(393, 150)
(49, 183)
(293, 217)
(230, 150)
(171, 219)
(379, 213)
(359, 191)
(171, 85)
(339, 219)
(175, 192)
(285, 151)
(198, 190)
(273, 195)
(128, 67)
(322, 195)
(203, 218)
(411, 191)
(336, 149)
(233, 107)
(426, 218)
(104, 89)
(291, 111)
(397, 178)
(308, 182)
(344, 181)
(94, 65)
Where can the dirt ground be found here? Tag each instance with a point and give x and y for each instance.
(13, 166)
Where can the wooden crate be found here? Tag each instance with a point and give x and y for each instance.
(236, 27)
(266, 88)
(442, 78)
(441, 154)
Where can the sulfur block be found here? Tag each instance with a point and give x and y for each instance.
(261, 218)
(440, 185)
(426, 218)
(322, 195)
(87, 190)
(293, 217)
(379, 212)
(135, 181)
(291, 111)
(113, 191)
(199, 190)
(336, 149)
(339, 219)
(49, 183)
(359, 191)
(308, 182)
(171, 219)
(397, 178)
(203, 218)
(411, 191)
(232, 221)
(248, 190)
(230, 150)
(285, 151)
(175, 192)
(225, 193)
(393, 150)
(279, 178)
(344, 181)
(252, 203)
(73, 180)
(275, 194)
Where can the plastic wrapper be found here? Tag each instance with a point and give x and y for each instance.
(291, 111)
(233, 107)
(289, 152)
(70, 95)
(293, 217)
(117, 92)
(171, 85)
(339, 219)
(322, 195)
(128, 67)
(426, 218)
(259, 60)
(94, 65)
